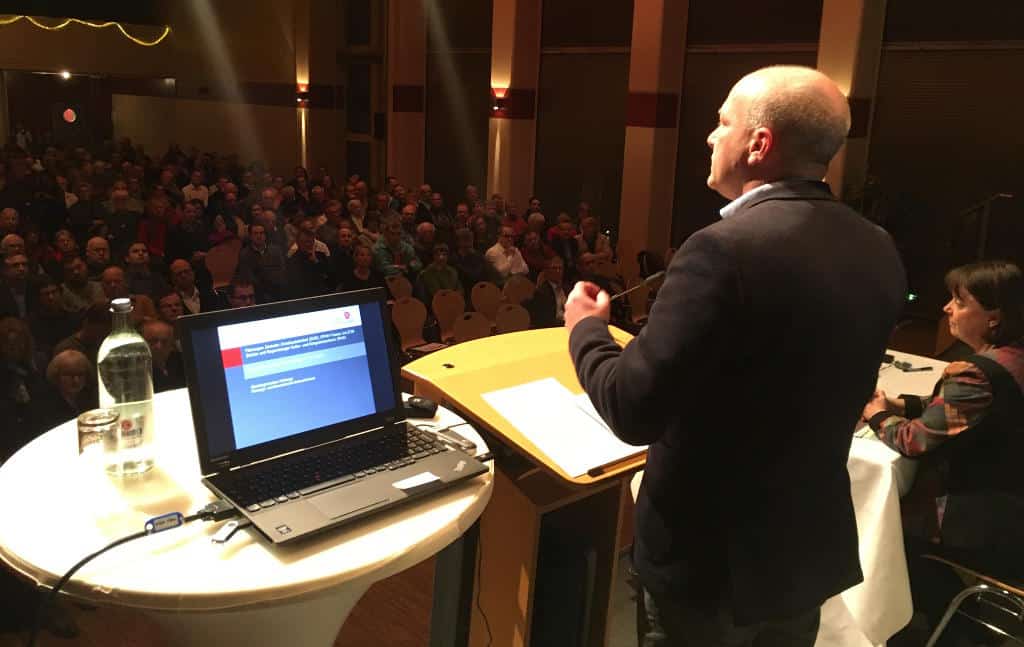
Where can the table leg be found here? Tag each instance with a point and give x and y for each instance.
(454, 571)
(313, 621)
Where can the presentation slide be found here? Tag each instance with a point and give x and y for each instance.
(292, 374)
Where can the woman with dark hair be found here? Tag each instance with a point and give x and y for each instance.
(969, 435)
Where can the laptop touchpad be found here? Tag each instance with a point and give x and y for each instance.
(346, 501)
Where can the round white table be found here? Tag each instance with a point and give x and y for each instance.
(61, 507)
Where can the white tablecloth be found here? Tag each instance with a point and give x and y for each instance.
(870, 613)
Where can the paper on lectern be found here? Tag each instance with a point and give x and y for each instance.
(565, 427)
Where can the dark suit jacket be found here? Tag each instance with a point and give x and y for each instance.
(756, 361)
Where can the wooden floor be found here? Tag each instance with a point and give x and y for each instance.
(394, 613)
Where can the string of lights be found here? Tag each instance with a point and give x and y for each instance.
(9, 20)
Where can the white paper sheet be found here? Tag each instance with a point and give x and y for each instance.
(565, 427)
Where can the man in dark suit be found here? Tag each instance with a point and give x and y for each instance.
(757, 358)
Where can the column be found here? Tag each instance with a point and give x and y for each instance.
(407, 76)
(301, 38)
(849, 51)
(657, 55)
(515, 71)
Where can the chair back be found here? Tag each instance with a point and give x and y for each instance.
(222, 261)
(409, 315)
(471, 325)
(512, 317)
(398, 286)
(486, 297)
(448, 305)
(518, 289)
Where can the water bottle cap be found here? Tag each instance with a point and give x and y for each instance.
(121, 305)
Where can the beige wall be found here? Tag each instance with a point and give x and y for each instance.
(269, 133)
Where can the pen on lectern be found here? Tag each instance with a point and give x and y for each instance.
(648, 281)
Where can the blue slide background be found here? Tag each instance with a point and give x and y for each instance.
(340, 391)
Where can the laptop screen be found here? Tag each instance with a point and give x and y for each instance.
(271, 373)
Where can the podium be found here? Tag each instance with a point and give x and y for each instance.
(533, 499)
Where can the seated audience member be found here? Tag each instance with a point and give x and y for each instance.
(122, 222)
(537, 222)
(84, 213)
(967, 435)
(264, 262)
(363, 274)
(73, 377)
(470, 263)
(536, 253)
(14, 288)
(48, 320)
(408, 217)
(24, 394)
(113, 284)
(516, 222)
(307, 224)
(328, 223)
(194, 300)
(481, 238)
(93, 329)
(64, 244)
(423, 245)
(12, 244)
(344, 246)
(97, 256)
(222, 228)
(275, 234)
(241, 292)
(196, 190)
(394, 255)
(10, 221)
(189, 237)
(533, 206)
(423, 211)
(169, 306)
(591, 240)
(462, 216)
(309, 272)
(153, 228)
(443, 222)
(547, 306)
(139, 275)
(439, 275)
(168, 368)
(77, 292)
(505, 258)
(562, 238)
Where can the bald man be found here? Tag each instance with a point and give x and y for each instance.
(748, 379)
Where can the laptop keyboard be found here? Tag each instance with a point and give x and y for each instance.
(284, 480)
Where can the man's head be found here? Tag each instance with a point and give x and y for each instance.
(355, 207)
(425, 233)
(137, 256)
(47, 295)
(461, 213)
(392, 230)
(472, 194)
(64, 241)
(333, 210)
(305, 241)
(440, 254)
(425, 191)
(317, 193)
(554, 269)
(408, 215)
(362, 256)
(346, 237)
(9, 220)
(112, 282)
(536, 222)
(258, 235)
(84, 191)
(196, 178)
(588, 226)
(241, 293)
(12, 244)
(268, 198)
(170, 306)
(531, 240)
(97, 251)
(777, 122)
(190, 212)
(399, 192)
(16, 269)
(436, 201)
(76, 273)
(160, 337)
(182, 277)
(507, 238)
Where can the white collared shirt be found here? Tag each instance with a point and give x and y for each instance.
(735, 205)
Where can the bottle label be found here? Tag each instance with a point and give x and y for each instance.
(131, 431)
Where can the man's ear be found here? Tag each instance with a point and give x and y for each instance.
(759, 146)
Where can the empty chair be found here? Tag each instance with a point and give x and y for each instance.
(222, 261)
(398, 286)
(471, 325)
(409, 315)
(512, 317)
(518, 289)
(448, 305)
(486, 297)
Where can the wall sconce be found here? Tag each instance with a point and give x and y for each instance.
(498, 99)
(302, 94)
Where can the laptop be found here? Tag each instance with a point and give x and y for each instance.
(298, 417)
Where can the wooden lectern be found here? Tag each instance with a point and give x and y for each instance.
(531, 494)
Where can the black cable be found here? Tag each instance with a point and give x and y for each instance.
(479, 562)
(215, 511)
(48, 601)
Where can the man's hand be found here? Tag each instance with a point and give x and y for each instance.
(881, 402)
(586, 300)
